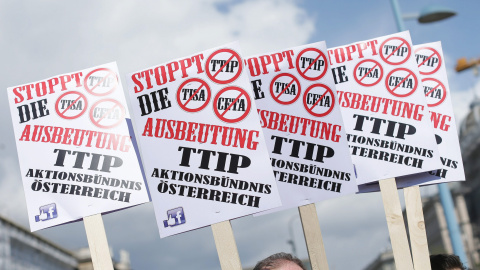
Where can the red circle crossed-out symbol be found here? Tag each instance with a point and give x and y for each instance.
(368, 72)
(315, 97)
(288, 88)
(316, 68)
(74, 106)
(431, 93)
(224, 69)
(401, 81)
(430, 60)
(392, 51)
(109, 112)
(193, 99)
(100, 80)
(229, 99)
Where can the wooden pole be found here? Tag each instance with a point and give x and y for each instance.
(313, 237)
(97, 242)
(226, 246)
(416, 228)
(396, 224)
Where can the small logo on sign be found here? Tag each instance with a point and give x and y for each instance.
(232, 104)
(71, 105)
(312, 64)
(428, 60)
(193, 95)
(401, 82)
(101, 82)
(175, 217)
(107, 113)
(47, 212)
(368, 72)
(318, 100)
(224, 66)
(435, 91)
(395, 51)
(285, 88)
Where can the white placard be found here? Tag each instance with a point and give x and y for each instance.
(204, 152)
(384, 108)
(75, 151)
(300, 116)
(433, 73)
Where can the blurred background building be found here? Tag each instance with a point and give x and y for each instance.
(384, 261)
(84, 260)
(22, 250)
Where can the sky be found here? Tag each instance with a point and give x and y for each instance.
(40, 39)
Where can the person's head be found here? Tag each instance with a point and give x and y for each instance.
(446, 262)
(280, 261)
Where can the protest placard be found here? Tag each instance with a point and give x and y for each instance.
(74, 147)
(384, 109)
(75, 151)
(203, 149)
(433, 75)
(299, 113)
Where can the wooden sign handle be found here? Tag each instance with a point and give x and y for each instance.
(416, 228)
(313, 237)
(396, 224)
(97, 242)
(226, 246)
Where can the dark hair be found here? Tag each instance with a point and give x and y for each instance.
(276, 260)
(446, 262)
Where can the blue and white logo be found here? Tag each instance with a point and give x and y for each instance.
(47, 212)
(175, 217)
